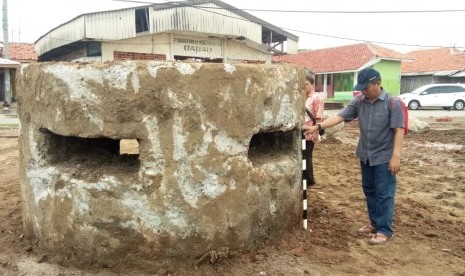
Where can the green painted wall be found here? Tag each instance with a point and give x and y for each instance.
(390, 80)
(390, 75)
(342, 96)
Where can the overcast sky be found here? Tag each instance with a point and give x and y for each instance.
(30, 19)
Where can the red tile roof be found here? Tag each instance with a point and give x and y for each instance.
(339, 59)
(433, 60)
(22, 52)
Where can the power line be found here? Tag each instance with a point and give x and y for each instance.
(208, 9)
(292, 30)
(373, 41)
(301, 11)
(340, 12)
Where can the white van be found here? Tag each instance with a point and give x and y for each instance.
(443, 95)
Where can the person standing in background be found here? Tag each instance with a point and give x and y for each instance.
(314, 106)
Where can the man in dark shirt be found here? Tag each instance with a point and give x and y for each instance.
(379, 148)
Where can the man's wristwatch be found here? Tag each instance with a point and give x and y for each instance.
(319, 126)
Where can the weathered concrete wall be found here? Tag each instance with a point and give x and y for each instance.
(218, 162)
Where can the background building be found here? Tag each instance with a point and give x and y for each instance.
(203, 30)
(19, 53)
(440, 65)
(336, 69)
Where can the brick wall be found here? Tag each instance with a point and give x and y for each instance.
(253, 61)
(117, 55)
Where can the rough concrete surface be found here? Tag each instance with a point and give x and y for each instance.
(216, 165)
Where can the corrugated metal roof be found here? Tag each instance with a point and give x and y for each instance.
(252, 19)
(209, 17)
(67, 33)
(111, 25)
(200, 20)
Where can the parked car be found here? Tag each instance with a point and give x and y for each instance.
(445, 95)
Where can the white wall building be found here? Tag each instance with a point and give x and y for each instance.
(207, 30)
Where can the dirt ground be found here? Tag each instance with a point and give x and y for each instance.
(429, 217)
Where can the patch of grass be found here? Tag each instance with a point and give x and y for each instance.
(331, 100)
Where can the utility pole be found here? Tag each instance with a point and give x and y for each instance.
(6, 55)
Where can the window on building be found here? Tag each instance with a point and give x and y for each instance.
(318, 80)
(142, 20)
(343, 82)
(94, 49)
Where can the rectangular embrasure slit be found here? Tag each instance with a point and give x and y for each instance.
(103, 153)
(266, 147)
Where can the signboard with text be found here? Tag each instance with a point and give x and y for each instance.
(197, 47)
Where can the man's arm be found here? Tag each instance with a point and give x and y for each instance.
(394, 163)
(330, 122)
